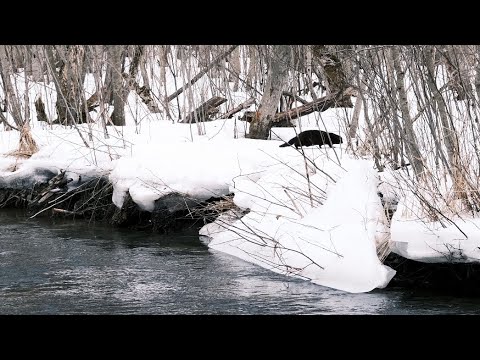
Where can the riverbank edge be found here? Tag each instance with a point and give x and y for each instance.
(91, 199)
(53, 195)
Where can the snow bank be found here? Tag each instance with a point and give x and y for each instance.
(332, 244)
(430, 242)
(415, 237)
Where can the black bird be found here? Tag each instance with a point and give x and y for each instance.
(314, 137)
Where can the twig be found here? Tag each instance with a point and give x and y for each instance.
(293, 202)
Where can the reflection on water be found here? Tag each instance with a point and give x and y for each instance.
(66, 267)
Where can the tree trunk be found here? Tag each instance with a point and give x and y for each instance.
(252, 66)
(398, 141)
(414, 154)
(40, 108)
(234, 62)
(204, 111)
(38, 62)
(145, 91)
(456, 73)
(477, 75)
(70, 98)
(336, 80)
(352, 131)
(13, 104)
(115, 59)
(135, 60)
(26, 101)
(279, 63)
(98, 98)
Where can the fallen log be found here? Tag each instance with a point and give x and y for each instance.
(204, 111)
(240, 107)
(322, 104)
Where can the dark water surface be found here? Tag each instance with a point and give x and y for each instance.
(71, 267)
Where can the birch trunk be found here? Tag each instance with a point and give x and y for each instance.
(352, 131)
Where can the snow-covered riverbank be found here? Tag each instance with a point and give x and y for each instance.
(313, 213)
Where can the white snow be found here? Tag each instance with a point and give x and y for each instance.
(453, 238)
(333, 244)
(458, 240)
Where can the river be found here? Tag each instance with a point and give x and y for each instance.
(73, 267)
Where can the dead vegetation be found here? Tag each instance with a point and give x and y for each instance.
(26, 144)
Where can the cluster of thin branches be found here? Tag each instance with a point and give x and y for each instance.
(422, 110)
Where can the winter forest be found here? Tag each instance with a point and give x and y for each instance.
(408, 116)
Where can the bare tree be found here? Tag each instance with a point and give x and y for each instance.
(234, 61)
(115, 60)
(27, 145)
(13, 103)
(279, 60)
(335, 78)
(66, 66)
(412, 145)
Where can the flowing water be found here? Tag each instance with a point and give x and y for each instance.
(70, 267)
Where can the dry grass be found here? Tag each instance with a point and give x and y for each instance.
(27, 145)
(214, 209)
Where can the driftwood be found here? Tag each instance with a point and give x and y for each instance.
(204, 111)
(201, 73)
(240, 107)
(322, 104)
